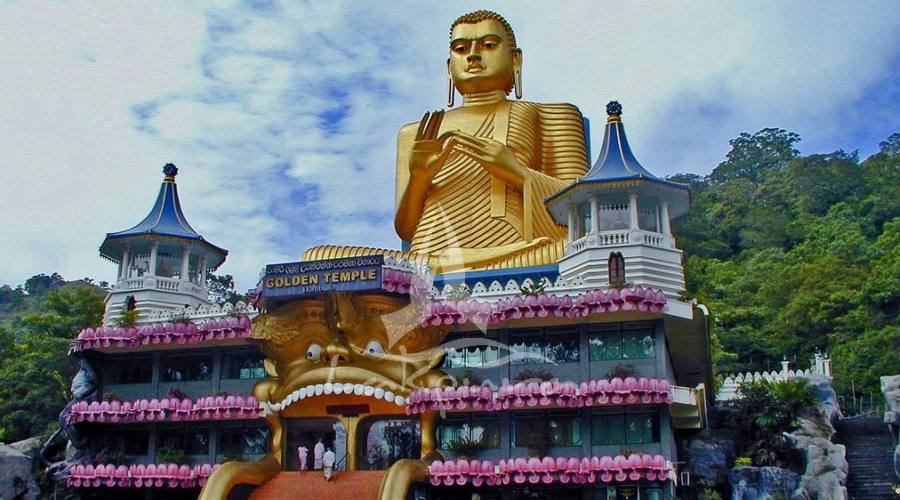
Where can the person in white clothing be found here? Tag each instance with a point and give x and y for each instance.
(302, 453)
(328, 462)
(318, 452)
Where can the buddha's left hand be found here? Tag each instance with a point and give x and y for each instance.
(493, 155)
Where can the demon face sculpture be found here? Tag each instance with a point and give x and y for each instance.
(342, 350)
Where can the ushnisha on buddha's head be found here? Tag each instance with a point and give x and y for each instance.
(483, 54)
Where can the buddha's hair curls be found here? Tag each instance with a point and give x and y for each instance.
(484, 15)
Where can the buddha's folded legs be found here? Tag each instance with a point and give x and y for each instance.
(535, 252)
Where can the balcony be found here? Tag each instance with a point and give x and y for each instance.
(162, 284)
(621, 238)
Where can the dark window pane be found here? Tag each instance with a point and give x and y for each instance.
(185, 369)
(244, 441)
(562, 349)
(616, 429)
(193, 442)
(243, 365)
(128, 442)
(131, 371)
(600, 430)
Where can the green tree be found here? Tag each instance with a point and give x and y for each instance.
(221, 289)
(36, 372)
(751, 155)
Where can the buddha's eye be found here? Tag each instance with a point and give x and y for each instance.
(374, 348)
(313, 352)
(490, 45)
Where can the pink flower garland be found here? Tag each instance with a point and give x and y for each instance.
(162, 333)
(140, 476)
(549, 470)
(542, 394)
(173, 409)
(449, 312)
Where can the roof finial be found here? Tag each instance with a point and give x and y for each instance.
(613, 111)
(170, 171)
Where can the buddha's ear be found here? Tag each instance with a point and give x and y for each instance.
(517, 60)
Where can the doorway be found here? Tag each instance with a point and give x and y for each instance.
(307, 432)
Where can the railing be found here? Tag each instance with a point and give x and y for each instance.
(612, 238)
(620, 237)
(162, 283)
(731, 383)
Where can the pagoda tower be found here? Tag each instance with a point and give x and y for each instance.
(163, 262)
(619, 218)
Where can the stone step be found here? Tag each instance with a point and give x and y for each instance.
(350, 485)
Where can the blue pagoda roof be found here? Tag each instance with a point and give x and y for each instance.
(165, 219)
(617, 166)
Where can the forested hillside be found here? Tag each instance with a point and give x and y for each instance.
(37, 323)
(793, 253)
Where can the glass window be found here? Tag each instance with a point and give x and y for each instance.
(185, 369)
(389, 440)
(250, 440)
(614, 343)
(129, 442)
(518, 353)
(538, 431)
(651, 493)
(192, 441)
(243, 365)
(478, 432)
(637, 428)
(474, 357)
(130, 371)
(562, 349)
(546, 349)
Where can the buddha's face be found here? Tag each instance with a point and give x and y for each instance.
(482, 58)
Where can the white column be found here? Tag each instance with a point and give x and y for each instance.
(665, 228)
(633, 211)
(573, 220)
(154, 251)
(595, 214)
(185, 263)
(201, 273)
(126, 265)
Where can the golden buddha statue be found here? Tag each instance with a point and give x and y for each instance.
(471, 180)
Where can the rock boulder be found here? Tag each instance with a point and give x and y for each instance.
(16, 478)
(762, 483)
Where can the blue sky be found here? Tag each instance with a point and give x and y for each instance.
(283, 116)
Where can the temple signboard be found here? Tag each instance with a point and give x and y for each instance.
(299, 279)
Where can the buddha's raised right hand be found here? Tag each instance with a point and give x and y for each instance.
(428, 152)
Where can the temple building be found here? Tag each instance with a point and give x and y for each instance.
(172, 373)
(530, 341)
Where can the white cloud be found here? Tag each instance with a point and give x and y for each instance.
(283, 117)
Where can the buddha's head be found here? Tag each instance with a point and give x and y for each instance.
(483, 53)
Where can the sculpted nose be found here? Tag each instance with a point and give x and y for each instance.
(336, 353)
(474, 53)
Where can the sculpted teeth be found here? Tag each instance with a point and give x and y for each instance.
(333, 388)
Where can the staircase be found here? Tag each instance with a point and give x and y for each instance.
(870, 452)
(350, 485)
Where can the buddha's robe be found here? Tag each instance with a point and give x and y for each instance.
(474, 220)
